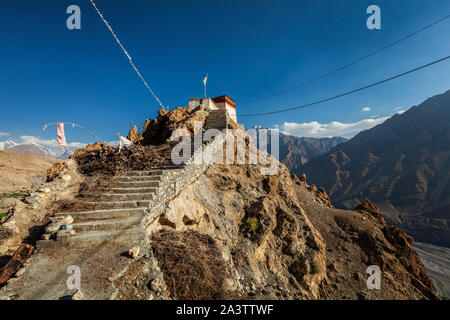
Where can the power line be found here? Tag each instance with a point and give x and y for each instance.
(126, 53)
(348, 64)
(347, 93)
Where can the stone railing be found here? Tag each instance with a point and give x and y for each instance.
(175, 180)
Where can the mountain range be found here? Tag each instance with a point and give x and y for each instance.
(35, 149)
(402, 165)
(295, 151)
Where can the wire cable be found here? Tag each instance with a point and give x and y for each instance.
(348, 64)
(126, 53)
(349, 92)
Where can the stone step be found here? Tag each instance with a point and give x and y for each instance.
(123, 197)
(210, 125)
(135, 184)
(218, 119)
(100, 214)
(130, 190)
(155, 177)
(96, 238)
(99, 205)
(144, 173)
(162, 171)
(218, 127)
(217, 112)
(107, 225)
(213, 125)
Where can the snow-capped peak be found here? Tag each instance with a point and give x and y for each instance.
(7, 144)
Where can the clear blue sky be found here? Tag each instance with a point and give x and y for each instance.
(249, 47)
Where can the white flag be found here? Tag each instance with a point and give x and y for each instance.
(205, 79)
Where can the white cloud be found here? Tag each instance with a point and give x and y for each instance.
(315, 129)
(4, 134)
(366, 109)
(399, 110)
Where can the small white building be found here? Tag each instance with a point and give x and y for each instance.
(217, 103)
(225, 102)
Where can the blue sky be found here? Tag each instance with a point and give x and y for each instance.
(249, 48)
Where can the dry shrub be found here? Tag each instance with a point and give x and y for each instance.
(56, 170)
(90, 184)
(111, 163)
(192, 264)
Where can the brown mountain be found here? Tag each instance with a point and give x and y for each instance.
(402, 165)
(20, 171)
(296, 151)
(209, 231)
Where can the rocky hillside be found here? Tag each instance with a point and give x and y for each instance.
(19, 171)
(279, 241)
(402, 165)
(147, 230)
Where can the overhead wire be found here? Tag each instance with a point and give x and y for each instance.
(348, 92)
(348, 64)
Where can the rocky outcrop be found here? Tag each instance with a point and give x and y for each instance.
(269, 246)
(159, 130)
(368, 206)
(320, 194)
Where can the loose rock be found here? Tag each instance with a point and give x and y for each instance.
(134, 252)
(66, 178)
(68, 219)
(44, 190)
(66, 227)
(53, 227)
(78, 295)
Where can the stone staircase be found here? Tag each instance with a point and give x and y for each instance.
(119, 209)
(120, 212)
(123, 207)
(217, 119)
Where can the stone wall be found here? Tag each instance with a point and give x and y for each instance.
(175, 180)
